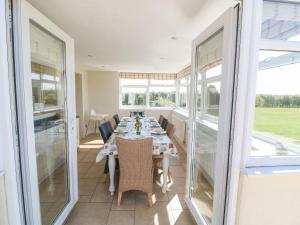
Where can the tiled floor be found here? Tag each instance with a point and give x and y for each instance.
(97, 207)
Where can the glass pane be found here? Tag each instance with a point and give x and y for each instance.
(162, 97)
(182, 81)
(281, 21)
(134, 96)
(209, 54)
(277, 112)
(134, 81)
(213, 98)
(163, 82)
(214, 71)
(199, 97)
(183, 96)
(48, 95)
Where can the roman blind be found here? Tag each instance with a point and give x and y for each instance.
(152, 76)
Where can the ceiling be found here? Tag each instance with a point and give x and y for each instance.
(129, 35)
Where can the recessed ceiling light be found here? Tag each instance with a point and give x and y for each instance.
(174, 38)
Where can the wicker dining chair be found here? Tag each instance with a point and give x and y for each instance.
(161, 118)
(136, 166)
(113, 123)
(170, 130)
(158, 164)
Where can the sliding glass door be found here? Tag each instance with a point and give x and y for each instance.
(210, 121)
(50, 120)
(49, 164)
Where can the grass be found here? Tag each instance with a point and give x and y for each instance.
(280, 121)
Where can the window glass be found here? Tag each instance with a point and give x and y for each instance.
(162, 97)
(214, 71)
(49, 94)
(162, 82)
(183, 97)
(277, 111)
(281, 21)
(213, 98)
(134, 82)
(199, 98)
(134, 96)
(183, 81)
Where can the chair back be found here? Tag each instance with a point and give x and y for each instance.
(113, 123)
(140, 113)
(105, 131)
(170, 130)
(136, 167)
(116, 118)
(164, 124)
(161, 118)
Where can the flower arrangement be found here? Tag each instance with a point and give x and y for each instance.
(138, 124)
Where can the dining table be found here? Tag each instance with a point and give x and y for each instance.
(163, 146)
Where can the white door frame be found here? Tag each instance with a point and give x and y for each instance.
(8, 150)
(227, 22)
(28, 13)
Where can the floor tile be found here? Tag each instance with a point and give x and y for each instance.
(159, 214)
(127, 203)
(101, 194)
(89, 214)
(183, 217)
(121, 218)
(87, 186)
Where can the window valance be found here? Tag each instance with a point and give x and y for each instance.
(187, 71)
(41, 69)
(153, 76)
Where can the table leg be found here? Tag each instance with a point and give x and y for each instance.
(166, 163)
(111, 166)
(87, 127)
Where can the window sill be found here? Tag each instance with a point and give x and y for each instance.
(146, 108)
(270, 170)
(181, 112)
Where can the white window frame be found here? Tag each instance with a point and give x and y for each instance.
(148, 86)
(204, 94)
(186, 86)
(227, 21)
(8, 147)
(247, 87)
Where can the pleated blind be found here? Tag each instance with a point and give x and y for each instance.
(187, 71)
(152, 76)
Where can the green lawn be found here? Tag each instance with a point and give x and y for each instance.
(280, 121)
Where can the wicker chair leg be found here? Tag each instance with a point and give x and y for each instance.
(169, 175)
(149, 199)
(119, 198)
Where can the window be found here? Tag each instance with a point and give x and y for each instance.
(147, 93)
(209, 88)
(209, 67)
(277, 105)
(162, 97)
(134, 96)
(45, 90)
(183, 93)
(276, 126)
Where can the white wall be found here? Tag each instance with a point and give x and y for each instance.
(3, 207)
(103, 91)
(269, 199)
(82, 100)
